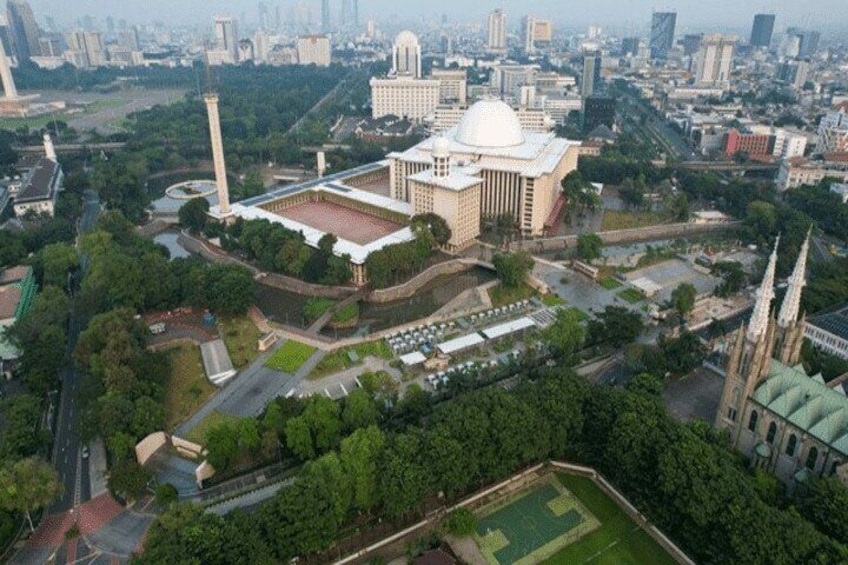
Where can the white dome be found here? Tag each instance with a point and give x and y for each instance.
(441, 147)
(406, 38)
(489, 123)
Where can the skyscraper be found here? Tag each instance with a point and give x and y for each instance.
(406, 55)
(591, 74)
(528, 33)
(226, 37)
(714, 59)
(24, 29)
(325, 16)
(497, 31)
(662, 34)
(762, 30)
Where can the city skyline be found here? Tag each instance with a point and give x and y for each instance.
(725, 13)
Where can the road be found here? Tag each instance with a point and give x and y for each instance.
(633, 107)
(317, 105)
(67, 457)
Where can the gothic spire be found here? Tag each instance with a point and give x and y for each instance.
(792, 301)
(765, 294)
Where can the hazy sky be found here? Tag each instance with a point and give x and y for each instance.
(630, 13)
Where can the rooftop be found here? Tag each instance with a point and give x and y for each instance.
(834, 321)
(489, 123)
(41, 182)
(457, 180)
(10, 296)
(807, 403)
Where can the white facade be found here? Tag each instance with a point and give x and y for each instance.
(226, 38)
(404, 97)
(313, 50)
(833, 131)
(714, 60)
(788, 145)
(497, 31)
(799, 172)
(406, 55)
(452, 89)
(531, 119)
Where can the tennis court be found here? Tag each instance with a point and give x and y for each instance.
(533, 524)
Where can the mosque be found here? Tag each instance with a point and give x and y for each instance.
(485, 167)
(787, 422)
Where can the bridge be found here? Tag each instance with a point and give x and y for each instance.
(74, 147)
(727, 166)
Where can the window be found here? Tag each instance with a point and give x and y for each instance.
(812, 456)
(752, 421)
(772, 430)
(731, 414)
(791, 445)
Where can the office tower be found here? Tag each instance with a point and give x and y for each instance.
(691, 43)
(110, 25)
(593, 32)
(406, 55)
(6, 38)
(313, 50)
(325, 16)
(24, 29)
(714, 60)
(762, 30)
(630, 46)
(87, 46)
(528, 33)
(793, 72)
(128, 39)
(497, 31)
(662, 34)
(226, 37)
(355, 11)
(9, 89)
(261, 46)
(591, 74)
(598, 111)
(542, 32)
(833, 131)
(350, 13)
(446, 44)
(809, 44)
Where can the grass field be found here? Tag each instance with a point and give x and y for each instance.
(198, 433)
(609, 284)
(339, 359)
(617, 541)
(501, 295)
(552, 299)
(290, 356)
(621, 220)
(631, 295)
(187, 388)
(241, 337)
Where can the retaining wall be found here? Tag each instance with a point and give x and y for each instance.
(412, 286)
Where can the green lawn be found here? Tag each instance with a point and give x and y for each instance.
(346, 314)
(339, 359)
(609, 284)
(242, 339)
(622, 220)
(631, 295)
(198, 433)
(187, 388)
(552, 299)
(290, 356)
(618, 541)
(501, 295)
(583, 316)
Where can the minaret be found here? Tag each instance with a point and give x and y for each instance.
(765, 294)
(6, 75)
(218, 154)
(49, 150)
(791, 329)
(441, 157)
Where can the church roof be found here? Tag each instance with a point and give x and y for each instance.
(808, 404)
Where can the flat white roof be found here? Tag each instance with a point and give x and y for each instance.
(414, 358)
(460, 343)
(646, 285)
(457, 180)
(507, 328)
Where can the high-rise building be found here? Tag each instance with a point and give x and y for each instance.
(662, 34)
(404, 97)
(630, 46)
(762, 30)
(691, 43)
(833, 131)
(714, 60)
(313, 50)
(350, 13)
(325, 16)
(528, 33)
(809, 44)
(406, 55)
(497, 31)
(87, 48)
(226, 38)
(25, 32)
(591, 74)
(542, 32)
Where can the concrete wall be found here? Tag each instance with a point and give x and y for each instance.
(187, 448)
(283, 282)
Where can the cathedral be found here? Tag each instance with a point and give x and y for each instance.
(789, 423)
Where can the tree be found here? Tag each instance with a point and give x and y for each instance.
(193, 215)
(589, 246)
(436, 225)
(128, 478)
(565, 335)
(27, 485)
(683, 298)
(461, 522)
(824, 502)
(58, 260)
(359, 455)
(761, 219)
(166, 494)
(733, 277)
(678, 207)
(359, 410)
(646, 384)
(513, 268)
(616, 325)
